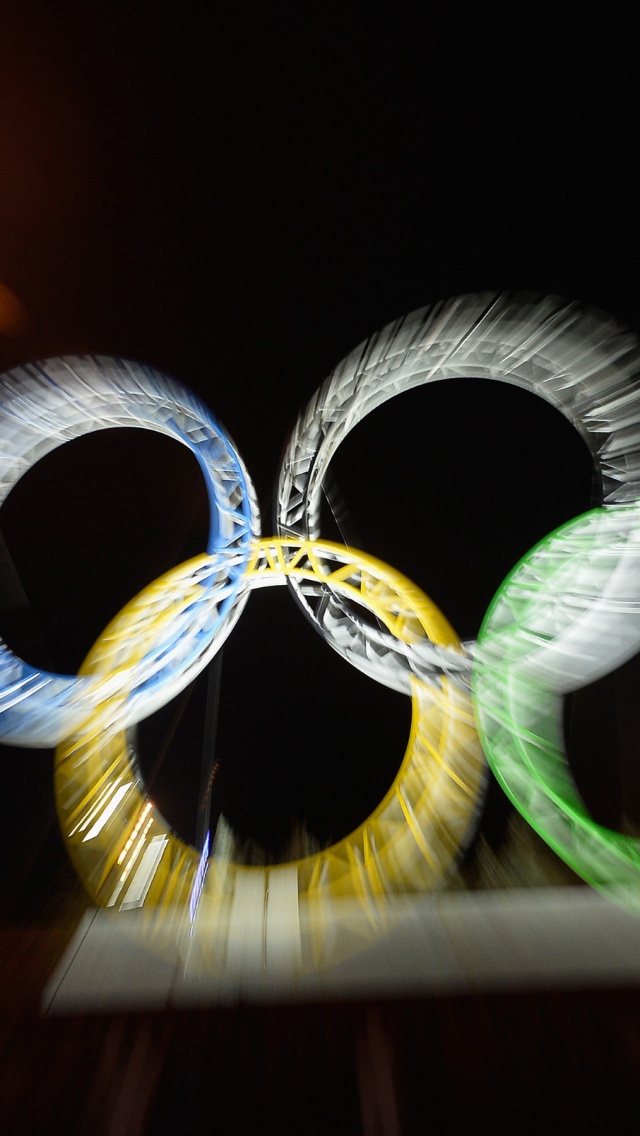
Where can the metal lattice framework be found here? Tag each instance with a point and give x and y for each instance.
(45, 404)
(581, 361)
(125, 852)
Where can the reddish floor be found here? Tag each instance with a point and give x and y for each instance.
(551, 1062)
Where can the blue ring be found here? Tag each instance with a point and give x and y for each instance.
(43, 405)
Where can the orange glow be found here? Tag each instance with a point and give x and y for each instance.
(13, 316)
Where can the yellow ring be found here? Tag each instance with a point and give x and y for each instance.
(125, 852)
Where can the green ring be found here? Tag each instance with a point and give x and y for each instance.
(519, 708)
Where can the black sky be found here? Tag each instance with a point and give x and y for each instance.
(240, 196)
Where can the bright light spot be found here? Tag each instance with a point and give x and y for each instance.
(107, 813)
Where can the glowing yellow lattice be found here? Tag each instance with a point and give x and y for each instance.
(126, 854)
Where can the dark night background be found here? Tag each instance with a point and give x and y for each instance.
(240, 194)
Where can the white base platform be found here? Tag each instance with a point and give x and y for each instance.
(453, 943)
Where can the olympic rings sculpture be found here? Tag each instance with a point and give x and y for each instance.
(549, 630)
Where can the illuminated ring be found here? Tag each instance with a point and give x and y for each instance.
(568, 613)
(45, 404)
(581, 361)
(127, 856)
